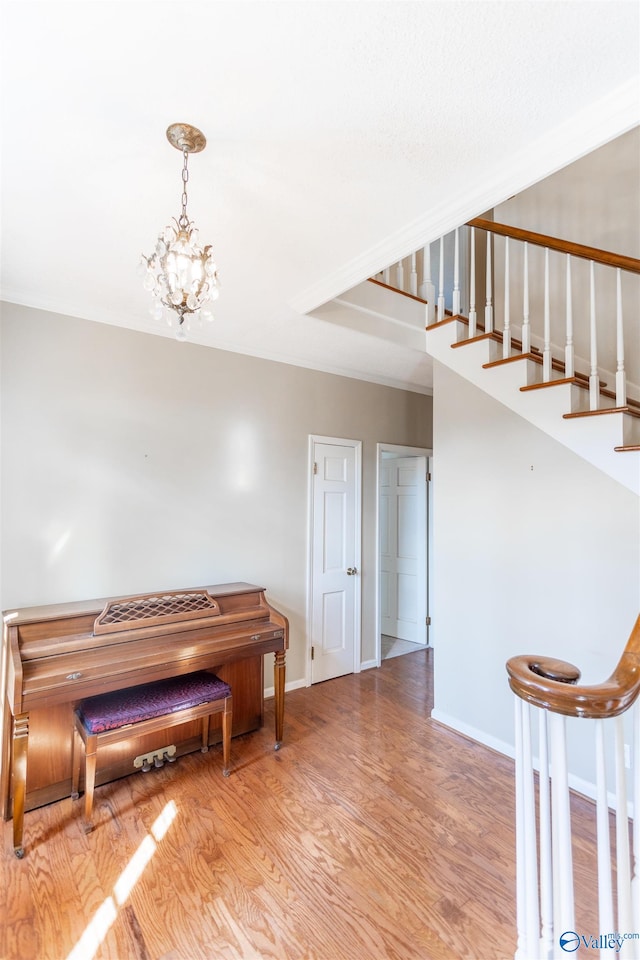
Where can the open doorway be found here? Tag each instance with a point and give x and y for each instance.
(403, 617)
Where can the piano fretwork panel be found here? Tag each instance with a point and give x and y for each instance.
(57, 655)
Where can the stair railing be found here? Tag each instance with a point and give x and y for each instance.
(594, 257)
(546, 693)
(540, 287)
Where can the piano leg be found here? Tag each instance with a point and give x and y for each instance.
(19, 766)
(279, 672)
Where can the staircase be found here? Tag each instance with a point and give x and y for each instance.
(576, 381)
(552, 331)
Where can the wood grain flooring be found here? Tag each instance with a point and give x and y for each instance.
(373, 834)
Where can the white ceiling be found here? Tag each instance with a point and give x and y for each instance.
(340, 137)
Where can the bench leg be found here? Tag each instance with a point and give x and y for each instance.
(205, 734)
(226, 736)
(91, 749)
(75, 764)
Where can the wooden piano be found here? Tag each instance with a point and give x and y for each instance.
(55, 656)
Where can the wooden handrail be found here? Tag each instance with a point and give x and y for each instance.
(631, 264)
(531, 682)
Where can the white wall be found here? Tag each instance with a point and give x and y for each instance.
(133, 463)
(536, 552)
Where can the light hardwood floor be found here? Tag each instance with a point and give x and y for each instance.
(373, 833)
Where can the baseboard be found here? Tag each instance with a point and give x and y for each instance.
(473, 733)
(369, 664)
(270, 692)
(584, 787)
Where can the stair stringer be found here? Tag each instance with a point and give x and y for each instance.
(592, 438)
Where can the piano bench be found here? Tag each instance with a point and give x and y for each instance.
(122, 714)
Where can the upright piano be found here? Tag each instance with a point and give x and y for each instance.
(54, 656)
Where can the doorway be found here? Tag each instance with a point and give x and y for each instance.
(403, 618)
(335, 510)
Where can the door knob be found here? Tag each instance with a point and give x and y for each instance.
(351, 571)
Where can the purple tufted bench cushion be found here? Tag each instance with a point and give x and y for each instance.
(108, 711)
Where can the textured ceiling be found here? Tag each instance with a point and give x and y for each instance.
(340, 135)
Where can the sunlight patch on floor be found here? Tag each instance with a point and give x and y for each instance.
(106, 915)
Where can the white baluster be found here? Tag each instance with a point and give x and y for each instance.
(506, 333)
(427, 287)
(488, 309)
(413, 279)
(531, 852)
(386, 276)
(621, 385)
(605, 894)
(399, 275)
(594, 379)
(455, 306)
(526, 326)
(441, 306)
(521, 874)
(569, 368)
(546, 352)
(635, 883)
(546, 878)
(473, 316)
(526, 864)
(623, 858)
(563, 909)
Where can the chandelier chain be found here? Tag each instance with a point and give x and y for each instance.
(184, 220)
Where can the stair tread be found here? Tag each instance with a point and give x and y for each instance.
(534, 354)
(478, 339)
(627, 448)
(403, 293)
(579, 382)
(581, 379)
(576, 381)
(631, 411)
(513, 359)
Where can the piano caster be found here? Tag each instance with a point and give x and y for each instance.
(277, 745)
(19, 852)
(225, 773)
(75, 796)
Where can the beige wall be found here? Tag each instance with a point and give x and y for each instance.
(595, 201)
(536, 552)
(132, 463)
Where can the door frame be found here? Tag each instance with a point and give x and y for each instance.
(398, 451)
(357, 640)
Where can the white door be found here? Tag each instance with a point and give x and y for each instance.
(403, 548)
(335, 559)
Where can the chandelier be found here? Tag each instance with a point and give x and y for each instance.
(181, 275)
